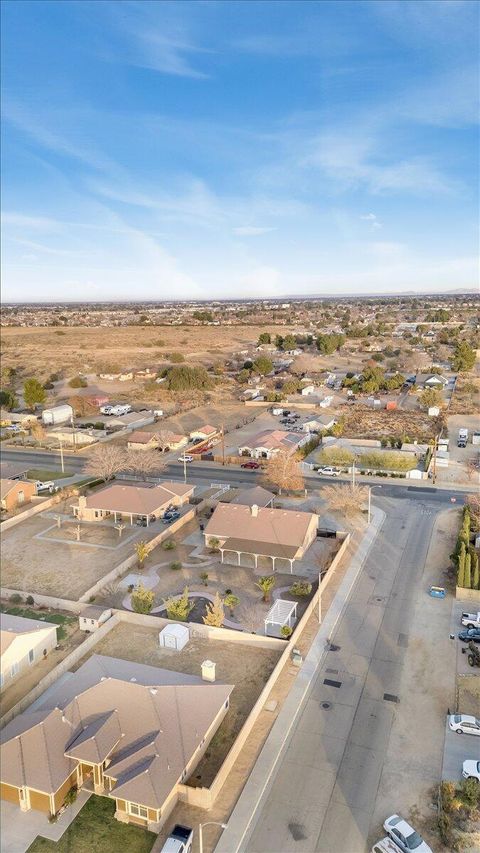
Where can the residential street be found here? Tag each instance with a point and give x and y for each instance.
(325, 791)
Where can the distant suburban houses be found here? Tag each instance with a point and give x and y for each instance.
(268, 443)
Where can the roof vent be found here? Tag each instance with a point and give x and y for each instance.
(103, 678)
(133, 679)
(254, 510)
(153, 691)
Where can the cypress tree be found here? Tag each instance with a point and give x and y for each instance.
(468, 573)
(461, 566)
(475, 572)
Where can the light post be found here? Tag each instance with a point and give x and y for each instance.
(369, 504)
(184, 468)
(200, 831)
(61, 456)
(320, 578)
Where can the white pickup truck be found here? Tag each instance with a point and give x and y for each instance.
(116, 410)
(471, 620)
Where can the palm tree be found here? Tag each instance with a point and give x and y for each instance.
(231, 601)
(142, 551)
(266, 584)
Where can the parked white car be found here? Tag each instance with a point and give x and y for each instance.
(404, 835)
(471, 620)
(471, 770)
(328, 471)
(386, 845)
(464, 724)
(187, 457)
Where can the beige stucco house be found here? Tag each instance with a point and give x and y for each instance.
(119, 502)
(134, 733)
(268, 443)
(162, 441)
(282, 535)
(23, 642)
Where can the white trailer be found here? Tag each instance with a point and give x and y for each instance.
(57, 415)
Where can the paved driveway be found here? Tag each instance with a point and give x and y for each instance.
(19, 829)
(458, 748)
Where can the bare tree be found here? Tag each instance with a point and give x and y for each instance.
(472, 468)
(106, 460)
(164, 439)
(473, 503)
(82, 406)
(346, 499)
(37, 430)
(252, 616)
(144, 462)
(283, 470)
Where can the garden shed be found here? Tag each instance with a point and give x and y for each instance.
(174, 637)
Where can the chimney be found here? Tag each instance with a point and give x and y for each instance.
(254, 510)
(208, 670)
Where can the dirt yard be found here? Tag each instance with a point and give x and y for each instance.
(34, 561)
(364, 422)
(246, 667)
(468, 694)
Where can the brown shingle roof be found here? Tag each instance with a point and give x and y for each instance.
(12, 626)
(161, 717)
(273, 526)
(139, 500)
(256, 495)
(275, 439)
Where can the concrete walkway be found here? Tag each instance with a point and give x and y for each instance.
(253, 797)
(20, 829)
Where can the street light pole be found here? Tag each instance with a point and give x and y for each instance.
(61, 457)
(200, 831)
(369, 504)
(184, 468)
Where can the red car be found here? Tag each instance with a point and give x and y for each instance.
(254, 465)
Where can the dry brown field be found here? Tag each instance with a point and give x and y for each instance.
(370, 423)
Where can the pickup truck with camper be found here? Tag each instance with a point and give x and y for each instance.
(117, 411)
(47, 486)
(179, 841)
(462, 437)
(471, 620)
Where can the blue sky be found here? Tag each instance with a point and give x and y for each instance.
(208, 150)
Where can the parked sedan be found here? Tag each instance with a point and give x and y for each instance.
(404, 835)
(464, 724)
(471, 770)
(252, 465)
(470, 635)
(170, 516)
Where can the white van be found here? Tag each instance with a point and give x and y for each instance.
(386, 845)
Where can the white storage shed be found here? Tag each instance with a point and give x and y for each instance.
(174, 637)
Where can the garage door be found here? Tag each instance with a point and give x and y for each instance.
(9, 793)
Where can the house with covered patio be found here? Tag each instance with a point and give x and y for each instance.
(275, 537)
(119, 502)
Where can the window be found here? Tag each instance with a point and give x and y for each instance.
(14, 668)
(138, 811)
(31, 656)
(92, 621)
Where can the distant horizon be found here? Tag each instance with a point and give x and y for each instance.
(211, 150)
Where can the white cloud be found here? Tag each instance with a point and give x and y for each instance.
(375, 223)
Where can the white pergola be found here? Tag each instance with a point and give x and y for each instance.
(281, 613)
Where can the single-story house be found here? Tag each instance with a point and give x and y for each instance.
(143, 440)
(269, 442)
(277, 534)
(131, 502)
(74, 437)
(319, 423)
(204, 432)
(124, 376)
(135, 733)
(13, 470)
(255, 496)
(15, 493)
(307, 390)
(431, 380)
(92, 617)
(23, 642)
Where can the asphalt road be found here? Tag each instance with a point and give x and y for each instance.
(206, 472)
(324, 793)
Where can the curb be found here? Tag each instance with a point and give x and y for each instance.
(242, 821)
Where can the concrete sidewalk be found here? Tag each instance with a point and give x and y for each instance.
(243, 818)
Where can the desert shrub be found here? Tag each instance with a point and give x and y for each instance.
(204, 578)
(77, 382)
(176, 565)
(286, 631)
(16, 598)
(30, 600)
(301, 588)
(169, 545)
(470, 791)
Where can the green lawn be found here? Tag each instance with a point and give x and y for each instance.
(95, 830)
(56, 618)
(45, 474)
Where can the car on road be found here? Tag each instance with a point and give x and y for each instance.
(328, 471)
(464, 724)
(471, 770)
(187, 457)
(470, 635)
(404, 835)
(252, 465)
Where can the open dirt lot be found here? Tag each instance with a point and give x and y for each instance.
(34, 562)
(246, 667)
(362, 421)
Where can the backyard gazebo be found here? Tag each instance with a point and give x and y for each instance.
(281, 613)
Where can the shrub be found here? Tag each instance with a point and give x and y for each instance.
(470, 791)
(301, 588)
(286, 631)
(99, 425)
(77, 382)
(16, 598)
(447, 795)
(176, 357)
(204, 578)
(131, 587)
(30, 600)
(179, 608)
(213, 544)
(169, 545)
(71, 796)
(142, 599)
(176, 565)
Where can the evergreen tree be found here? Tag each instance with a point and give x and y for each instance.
(215, 613)
(468, 572)
(475, 572)
(461, 566)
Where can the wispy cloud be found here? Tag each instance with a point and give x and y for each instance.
(251, 230)
(374, 221)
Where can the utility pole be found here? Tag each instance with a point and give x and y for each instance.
(184, 468)
(369, 504)
(353, 473)
(434, 472)
(61, 456)
(223, 443)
